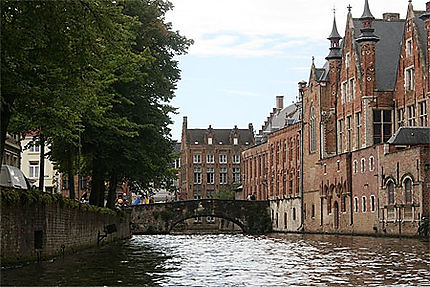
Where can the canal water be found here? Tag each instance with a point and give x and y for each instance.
(236, 260)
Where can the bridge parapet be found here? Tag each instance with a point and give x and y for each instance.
(253, 217)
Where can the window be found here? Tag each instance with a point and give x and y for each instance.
(381, 126)
(347, 60)
(210, 158)
(223, 175)
(197, 194)
(349, 132)
(390, 187)
(312, 131)
(400, 117)
(356, 204)
(358, 123)
(313, 211)
(210, 178)
(294, 213)
(338, 165)
(285, 220)
(34, 148)
(235, 141)
(197, 158)
(34, 169)
(423, 113)
(325, 168)
(329, 205)
(210, 219)
(197, 175)
(408, 47)
(364, 204)
(351, 89)
(363, 165)
(209, 141)
(408, 190)
(371, 163)
(236, 174)
(210, 193)
(343, 91)
(340, 136)
(409, 79)
(372, 203)
(222, 158)
(343, 203)
(355, 167)
(236, 158)
(411, 115)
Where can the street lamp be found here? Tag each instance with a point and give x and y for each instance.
(302, 86)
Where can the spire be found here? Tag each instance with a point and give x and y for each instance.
(334, 33)
(366, 13)
(334, 41)
(367, 26)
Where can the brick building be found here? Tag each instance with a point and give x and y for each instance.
(211, 159)
(362, 174)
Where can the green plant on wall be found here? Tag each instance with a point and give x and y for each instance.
(227, 192)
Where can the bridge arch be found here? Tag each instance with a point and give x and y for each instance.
(251, 216)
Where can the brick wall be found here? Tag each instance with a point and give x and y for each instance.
(33, 230)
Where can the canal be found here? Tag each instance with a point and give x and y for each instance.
(236, 260)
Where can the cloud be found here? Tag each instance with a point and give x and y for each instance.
(255, 28)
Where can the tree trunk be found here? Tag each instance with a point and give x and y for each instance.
(113, 181)
(42, 163)
(97, 184)
(5, 113)
(71, 176)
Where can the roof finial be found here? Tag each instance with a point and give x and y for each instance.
(349, 7)
(366, 13)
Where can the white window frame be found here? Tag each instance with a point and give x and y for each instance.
(363, 165)
(34, 148)
(347, 60)
(222, 158)
(371, 163)
(210, 141)
(236, 158)
(236, 174)
(235, 141)
(34, 169)
(197, 158)
(355, 166)
(223, 177)
(197, 175)
(410, 78)
(409, 46)
(210, 158)
(372, 203)
(356, 205)
(210, 179)
(364, 204)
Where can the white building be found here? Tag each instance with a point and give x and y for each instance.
(30, 166)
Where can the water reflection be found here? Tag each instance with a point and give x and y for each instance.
(237, 260)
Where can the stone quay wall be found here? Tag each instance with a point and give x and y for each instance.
(37, 226)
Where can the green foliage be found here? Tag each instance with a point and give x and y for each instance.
(228, 192)
(95, 76)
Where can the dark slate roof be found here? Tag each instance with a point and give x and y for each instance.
(322, 74)
(334, 33)
(411, 136)
(388, 50)
(220, 135)
(366, 13)
(177, 147)
(421, 29)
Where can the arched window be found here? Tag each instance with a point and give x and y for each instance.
(408, 190)
(312, 130)
(390, 187)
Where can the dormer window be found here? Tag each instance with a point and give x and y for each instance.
(235, 141)
(409, 47)
(209, 141)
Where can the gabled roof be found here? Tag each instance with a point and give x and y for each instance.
(411, 136)
(421, 29)
(220, 135)
(388, 49)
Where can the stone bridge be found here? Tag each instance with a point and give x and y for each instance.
(253, 217)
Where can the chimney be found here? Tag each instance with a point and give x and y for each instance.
(391, 16)
(184, 123)
(251, 127)
(279, 102)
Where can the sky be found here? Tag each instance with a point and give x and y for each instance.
(246, 52)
